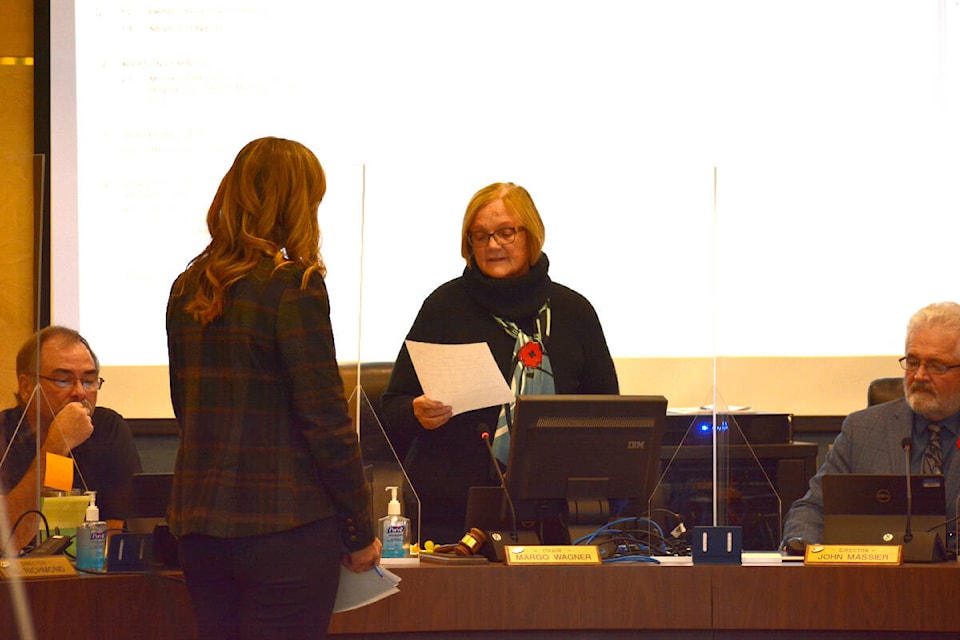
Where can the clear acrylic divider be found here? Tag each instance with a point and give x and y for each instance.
(711, 476)
(383, 466)
(343, 220)
(25, 169)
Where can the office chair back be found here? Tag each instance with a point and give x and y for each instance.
(884, 390)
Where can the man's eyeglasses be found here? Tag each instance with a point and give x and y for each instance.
(88, 384)
(912, 365)
(503, 236)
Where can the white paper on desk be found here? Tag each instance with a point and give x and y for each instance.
(360, 589)
(464, 376)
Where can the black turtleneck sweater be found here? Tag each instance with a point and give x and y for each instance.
(445, 462)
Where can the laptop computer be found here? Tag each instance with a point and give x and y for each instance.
(147, 521)
(149, 497)
(871, 509)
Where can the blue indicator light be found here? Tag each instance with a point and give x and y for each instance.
(705, 427)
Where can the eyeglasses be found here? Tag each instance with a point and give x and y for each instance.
(503, 237)
(88, 384)
(912, 365)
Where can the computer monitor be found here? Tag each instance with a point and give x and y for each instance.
(584, 450)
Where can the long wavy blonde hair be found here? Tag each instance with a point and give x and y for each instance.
(266, 205)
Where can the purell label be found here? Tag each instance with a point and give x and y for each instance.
(393, 540)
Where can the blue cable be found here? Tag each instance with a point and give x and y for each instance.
(608, 529)
(650, 559)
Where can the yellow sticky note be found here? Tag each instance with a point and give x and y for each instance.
(59, 474)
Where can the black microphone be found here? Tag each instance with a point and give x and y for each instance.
(907, 445)
(485, 436)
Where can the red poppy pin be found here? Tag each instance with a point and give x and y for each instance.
(531, 355)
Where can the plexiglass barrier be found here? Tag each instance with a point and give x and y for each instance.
(381, 460)
(711, 475)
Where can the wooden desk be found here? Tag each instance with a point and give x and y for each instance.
(114, 606)
(912, 598)
(635, 601)
(498, 597)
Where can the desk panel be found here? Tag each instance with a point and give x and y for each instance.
(610, 601)
(918, 598)
(478, 597)
(113, 606)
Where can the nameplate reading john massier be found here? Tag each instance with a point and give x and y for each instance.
(855, 554)
(558, 554)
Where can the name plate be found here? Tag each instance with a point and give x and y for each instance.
(43, 567)
(558, 554)
(853, 554)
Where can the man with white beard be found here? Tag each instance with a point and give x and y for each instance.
(871, 441)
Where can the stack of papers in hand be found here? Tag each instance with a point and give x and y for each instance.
(360, 589)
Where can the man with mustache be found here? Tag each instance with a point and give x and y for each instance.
(871, 440)
(57, 404)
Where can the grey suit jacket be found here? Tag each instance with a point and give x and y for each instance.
(870, 441)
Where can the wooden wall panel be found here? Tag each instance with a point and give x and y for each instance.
(16, 185)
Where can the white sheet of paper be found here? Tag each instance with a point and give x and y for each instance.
(464, 376)
(360, 589)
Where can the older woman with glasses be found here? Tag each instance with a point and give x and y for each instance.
(545, 337)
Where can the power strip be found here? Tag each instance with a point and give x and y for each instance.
(52, 546)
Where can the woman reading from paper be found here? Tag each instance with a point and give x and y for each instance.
(545, 338)
(269, 494)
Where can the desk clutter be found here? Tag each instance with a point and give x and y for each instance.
(71, 527)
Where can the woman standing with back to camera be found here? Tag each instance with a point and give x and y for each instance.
(269, 494)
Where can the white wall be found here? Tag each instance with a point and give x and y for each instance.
(717, 177)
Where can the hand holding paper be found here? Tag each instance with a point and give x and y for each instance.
(464, 376)
(430, 413)
(360, 589)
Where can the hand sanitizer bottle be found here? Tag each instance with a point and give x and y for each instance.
(394, 530)
(92, 539)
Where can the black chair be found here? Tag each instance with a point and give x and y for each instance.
(374, 377)
(884, 390)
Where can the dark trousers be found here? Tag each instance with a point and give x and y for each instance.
(278, 586)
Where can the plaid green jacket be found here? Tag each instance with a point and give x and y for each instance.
(266, 442)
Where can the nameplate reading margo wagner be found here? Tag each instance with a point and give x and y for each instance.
(558, 554)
